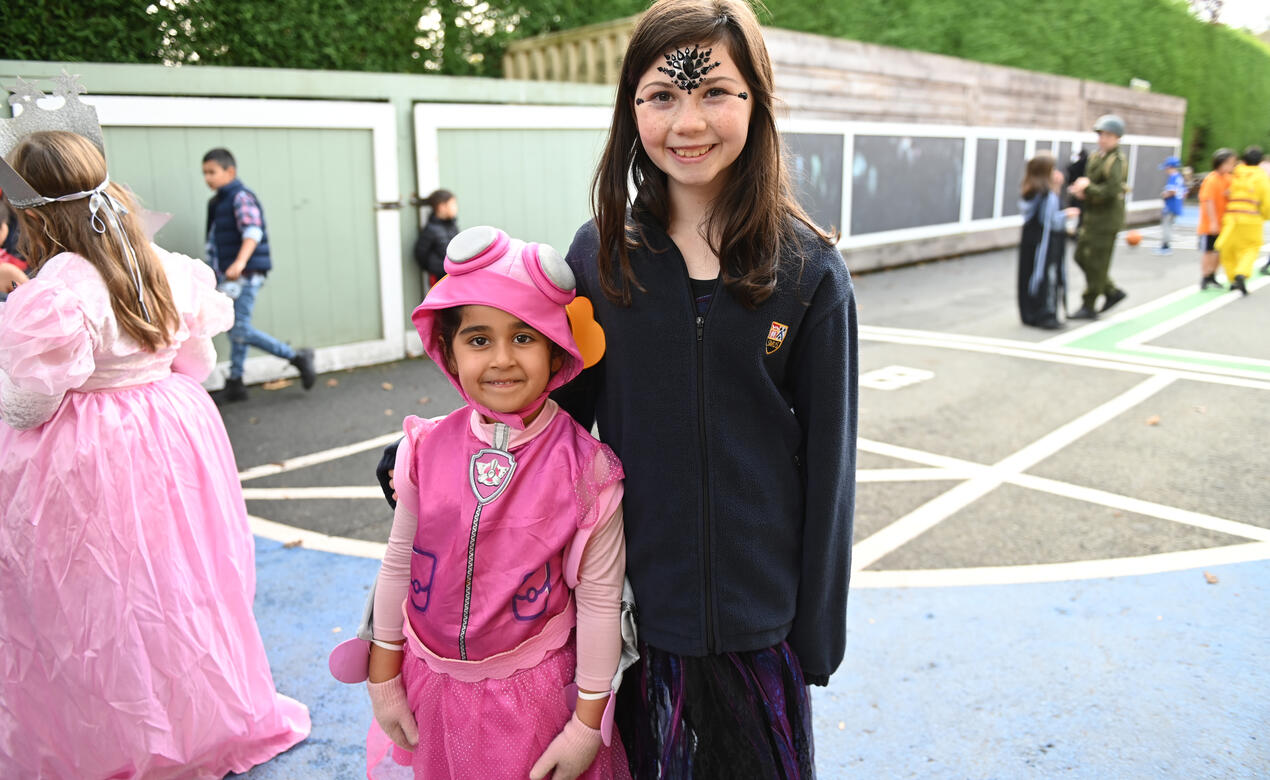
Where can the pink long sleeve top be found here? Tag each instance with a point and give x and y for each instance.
(601, 568)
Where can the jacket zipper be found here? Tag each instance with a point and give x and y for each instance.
(705, 474)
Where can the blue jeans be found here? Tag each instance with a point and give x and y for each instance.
(242, 335)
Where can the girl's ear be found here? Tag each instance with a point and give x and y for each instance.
(557, 358)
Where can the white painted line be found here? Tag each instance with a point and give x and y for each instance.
(1131, 363)
(291, 464)
(910, 475)
(894, 377)
(942, 464)
(1138, 506)
(940, 508)
(1103, 323)
(1173, 323)
(312, 540)
(1063, 572)
(920, 456)
(1189, 354)
(310, 493)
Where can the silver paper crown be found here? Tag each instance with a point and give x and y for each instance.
(30, 117)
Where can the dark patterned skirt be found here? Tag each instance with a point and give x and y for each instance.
(733, 715)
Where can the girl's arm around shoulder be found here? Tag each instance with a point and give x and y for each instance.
(825, 401)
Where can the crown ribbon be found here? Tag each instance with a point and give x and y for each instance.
(77, 118)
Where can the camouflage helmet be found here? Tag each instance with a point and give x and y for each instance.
(1110, 123)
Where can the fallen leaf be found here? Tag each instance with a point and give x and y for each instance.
(276, 384)
(332, 382)
(1210, 578)
(293, 543)
(1153, 419)
(336, 630)
(424, 400)
(842, 725)
(387, 385)
(388, 412)
(1202, 409)
(253, 420)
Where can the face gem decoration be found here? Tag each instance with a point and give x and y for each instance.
(639, 101)
(743, 95)
(688, 68)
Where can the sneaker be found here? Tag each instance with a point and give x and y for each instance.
(1164, 250)
(1209, 281)
(1239, 285)
(1083, 313)
(233, 391)
(1112, 298)
(303, 360)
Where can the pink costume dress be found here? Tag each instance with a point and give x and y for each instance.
(129, 648)
(491, 543)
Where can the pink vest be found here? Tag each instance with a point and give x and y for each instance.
(491, 562)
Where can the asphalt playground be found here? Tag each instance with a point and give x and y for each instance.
(1062, 541)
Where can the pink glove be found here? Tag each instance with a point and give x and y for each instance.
(392, 712)
(570, 753)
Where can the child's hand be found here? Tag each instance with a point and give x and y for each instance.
(569, 754)
(392, 712)
(1071, 213)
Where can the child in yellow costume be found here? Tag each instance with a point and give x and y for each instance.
(1247, 208)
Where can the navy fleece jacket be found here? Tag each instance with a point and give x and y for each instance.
(737, 432)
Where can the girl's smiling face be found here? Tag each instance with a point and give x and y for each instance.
(693, 125)
(502, 363)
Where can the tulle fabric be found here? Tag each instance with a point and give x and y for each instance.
(741, 716)
(492, 729)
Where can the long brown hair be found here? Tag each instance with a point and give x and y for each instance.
(58, 163)
(1036, 177)
(749, 224)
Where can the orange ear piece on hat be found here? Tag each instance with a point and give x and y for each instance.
(587, 333)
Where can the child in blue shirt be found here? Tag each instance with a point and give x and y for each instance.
(1174, 194)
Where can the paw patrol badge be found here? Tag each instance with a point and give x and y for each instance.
(776, 336)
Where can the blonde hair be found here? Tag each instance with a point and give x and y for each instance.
(58, 163)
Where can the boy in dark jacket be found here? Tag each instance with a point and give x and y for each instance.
(238, 249)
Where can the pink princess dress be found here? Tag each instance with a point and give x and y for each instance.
(128, 648)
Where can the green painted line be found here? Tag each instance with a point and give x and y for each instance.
(1108, 340)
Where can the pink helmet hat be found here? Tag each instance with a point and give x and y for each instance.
(485, 267)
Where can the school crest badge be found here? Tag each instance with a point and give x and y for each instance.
(776, 336)
(489, 473)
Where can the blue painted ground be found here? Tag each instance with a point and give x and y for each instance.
(1138, 677)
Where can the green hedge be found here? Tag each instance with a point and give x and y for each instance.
(1224, 74)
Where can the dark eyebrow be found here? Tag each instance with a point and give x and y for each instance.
(517, 325)
(668, 85)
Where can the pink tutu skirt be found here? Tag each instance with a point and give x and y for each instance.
(127, 571)
(491, 729)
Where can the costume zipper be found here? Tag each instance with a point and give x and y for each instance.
(467, 582)
(502, 441)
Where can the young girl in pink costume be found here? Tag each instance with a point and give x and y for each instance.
(126, 563)
(507, 534)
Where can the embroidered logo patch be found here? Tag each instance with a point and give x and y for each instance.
(489, 474)
(776, 336)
